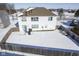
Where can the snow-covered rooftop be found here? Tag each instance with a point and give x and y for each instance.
(55, 12)
(30, 8)
(50, 39)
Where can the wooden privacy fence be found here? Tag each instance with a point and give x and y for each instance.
(40, 50)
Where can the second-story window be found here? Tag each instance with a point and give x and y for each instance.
(50, 18)
(34, 19)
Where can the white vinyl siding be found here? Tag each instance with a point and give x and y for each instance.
(23, 19)
(41, 24)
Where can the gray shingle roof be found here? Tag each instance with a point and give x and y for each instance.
(39, 11)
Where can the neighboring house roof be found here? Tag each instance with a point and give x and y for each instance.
(55, 12)
(20, 14)
(12, 11)
(39, 11)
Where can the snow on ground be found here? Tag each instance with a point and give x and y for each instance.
(65, 23)
(69, 14)
(66, 26)
(51, 39)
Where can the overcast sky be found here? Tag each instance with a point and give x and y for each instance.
(48, 5)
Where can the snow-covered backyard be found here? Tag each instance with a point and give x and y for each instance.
(50, 39)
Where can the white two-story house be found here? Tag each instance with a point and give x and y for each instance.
(37, 19)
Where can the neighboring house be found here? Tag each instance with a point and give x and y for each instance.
(38, 18)
(4, 18)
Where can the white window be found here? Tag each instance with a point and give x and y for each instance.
(34, 18)
(35, 26)
(50, 18)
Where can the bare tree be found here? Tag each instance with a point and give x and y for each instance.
(60, 13)
(77, 18)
